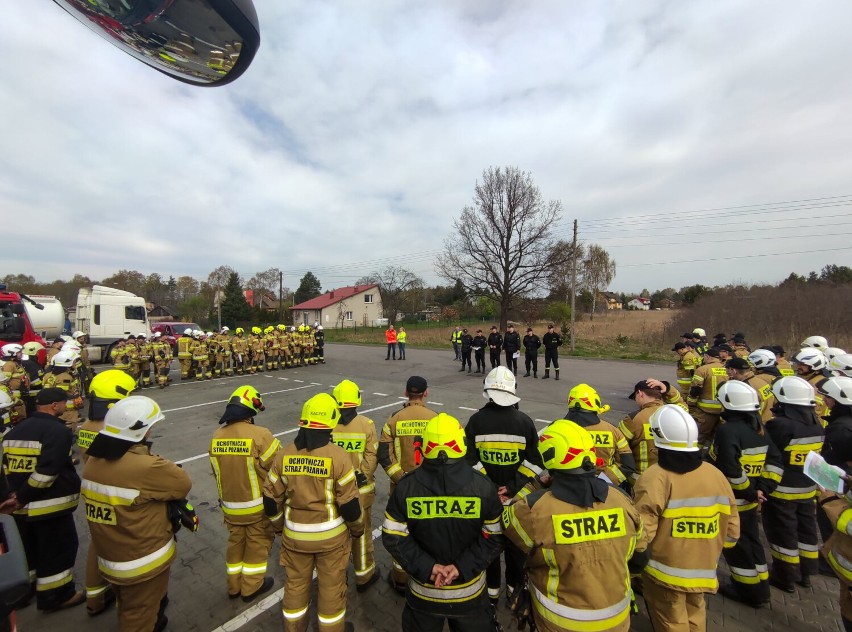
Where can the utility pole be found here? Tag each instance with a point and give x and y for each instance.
(219, 305)
(573, 283)
(281, 296)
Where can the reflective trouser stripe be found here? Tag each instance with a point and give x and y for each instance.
(329, 620)
(682, 577)
(53, 581)
(582, 620)
(790, 556)
(294, 615)
(140, 566)
(841, 565)
(94, 591)
(454, 594)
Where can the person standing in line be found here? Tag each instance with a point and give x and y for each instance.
(401, 339)
(495, 344)
(512, 347)
(479, 343)
(551, 341)
(531, 344)
(455, 338)
(466, 351)
(390, 336)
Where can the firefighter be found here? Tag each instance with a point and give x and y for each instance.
(753, 467)
(146, 354)
(512, 347)
(479, 343)
(551, 341)
(184, 344)
(308, 344)
(789, 514)
(286, 340)
(223, 353)
(319, 336)
(579, 536)
(495, 344)
(257, 349)
(398, 447)
(649, 395)
(503, 445)
(688, 360)
(240, 347)
(296, 346)
(271, 347)
(131, 348)
(531, 344)
(44, 492)
(689, 514)
(700, 339)
(53, 349)
(356, 435)
(161, 351)
(615, 463)
(200, 357)
(86, 371)
(107, 388)
(783, 364)
(702, 401)
(740, 370)
(63, 374)
(442, 525)
(837, 393)
(312, 490)
(466, 342)
(17, 379)
(815, 342)
(809, 364)
(241, 454)
(455, 339)
(765, 364)
(130, 495)
(213, 351)
(741, 348)
(35, 374)
(5, 410)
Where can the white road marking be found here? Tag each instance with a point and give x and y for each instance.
(381, 394)
(299, 381)
(466, 408)
(435, 403)
(544, 421)
(223, 401)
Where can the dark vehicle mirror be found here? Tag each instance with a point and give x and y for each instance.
(202, 42)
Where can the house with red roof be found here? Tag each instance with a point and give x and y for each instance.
(351, 306)
(640, 302)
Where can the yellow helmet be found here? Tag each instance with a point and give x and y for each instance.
(239, 331)
(443, 434)
(347, 394)
(256, 331)
(112, 384)
(320, 413)
(565, 446)
(269, 329)
(282, 327)
(585, 397)
(249, 397)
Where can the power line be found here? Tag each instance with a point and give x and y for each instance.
(770, 254)
(720, 241)
(762, 222)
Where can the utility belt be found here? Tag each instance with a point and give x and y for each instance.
(447, 598)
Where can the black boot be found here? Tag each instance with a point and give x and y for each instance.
(527, 374)
(461, 369)
(469, 370)
(556, 373)
(535, 374)
(546, 374)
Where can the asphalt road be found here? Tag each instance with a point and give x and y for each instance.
(198, 599)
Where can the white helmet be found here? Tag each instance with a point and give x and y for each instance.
(65, 338)
(209, 333)
(32, 348)
(699, 331)
(499, 387)
(71, 346)
(65, 358)
(838, 389)
(841, 365)
(735, 395)
(319, 327)
(831, 353)
(5, 401)
(810, 357)
(815, 341)
(225, 328)
(142, 335)
(157, 334)
(674, 429)
(792, 389)
(10, 350)
(4, 377)
(762, 358)
(197, 332)
(188, 331)
(131, 418)
(77, 334)
(292, 329)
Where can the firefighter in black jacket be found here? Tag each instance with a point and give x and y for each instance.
(479, 343)
(45, 491)
(503, 445)
(789, 514)
(552, 341)
(531, 345)
(442, 525)
(512, 345)
(495, 343)
(466, 351)
(752, 464)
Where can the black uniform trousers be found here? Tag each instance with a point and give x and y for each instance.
(514, 570)
(495, 358)
(791, 530)
(551, 355)
(466, 360)
(480, 359)
(512, 362)
(51, 548)
(531, 360)
(747, 560)
(478, 617)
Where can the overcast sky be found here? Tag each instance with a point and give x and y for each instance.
(360, 130)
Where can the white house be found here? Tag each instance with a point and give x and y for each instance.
(640, 302)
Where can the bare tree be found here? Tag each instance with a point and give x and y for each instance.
(265, 282)
(503, 246)
(395, 287)
(598, 271)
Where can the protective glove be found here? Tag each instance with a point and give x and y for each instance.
(360, 479)
(182, 514)
(520, 605)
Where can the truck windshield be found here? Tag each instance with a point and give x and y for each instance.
(135, 312)
(12, 326)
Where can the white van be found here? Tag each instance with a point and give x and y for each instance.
(108, 315)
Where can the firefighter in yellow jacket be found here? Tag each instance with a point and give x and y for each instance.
(689, 514)
(688, 360)
(579, 536)
(838, 549)
(702, 401)
(184, 345)
(356, 435)
(63, 374)
(650, 394)
(241, 454)
(106, 389)
(312, 492)
(129, 493)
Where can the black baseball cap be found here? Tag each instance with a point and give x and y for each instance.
(51, 396)
(529, 328)
(725, 347)
(550, 326)
(740, 364)
(712, 351)
(642, 386)
(415, 385)
(679, 345)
